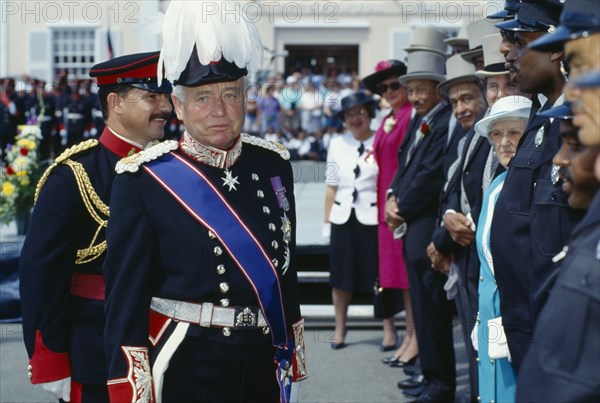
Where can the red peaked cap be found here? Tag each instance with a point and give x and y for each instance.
(137, 70)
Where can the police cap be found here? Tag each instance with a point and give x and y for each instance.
(535, 16)
(562, 111)
(578, 19)
(137, 70)
(511, 7)
(591, 79)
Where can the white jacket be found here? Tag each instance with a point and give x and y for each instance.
(342, 159)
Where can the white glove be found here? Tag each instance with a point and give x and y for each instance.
(295, 394)
(326, 232)
(475, 337)
(61, 388)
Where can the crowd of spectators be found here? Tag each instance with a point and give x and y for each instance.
(298, 111)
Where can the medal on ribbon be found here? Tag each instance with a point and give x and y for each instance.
(282, 201)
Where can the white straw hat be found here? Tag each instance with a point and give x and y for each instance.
(512, 106)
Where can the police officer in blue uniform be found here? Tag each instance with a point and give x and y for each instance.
(562, 363)
(532, 220)
(202, 296)
(62, 288)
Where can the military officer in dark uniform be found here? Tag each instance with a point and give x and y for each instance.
(202, 297)
(562, 363)
(62, 288)
(532, 220)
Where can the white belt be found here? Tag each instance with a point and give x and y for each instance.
(207, 314)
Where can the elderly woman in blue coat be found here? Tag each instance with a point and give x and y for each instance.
(497, 378)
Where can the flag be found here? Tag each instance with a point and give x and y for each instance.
(109, 44)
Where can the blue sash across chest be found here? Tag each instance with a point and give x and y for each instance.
(205, 203)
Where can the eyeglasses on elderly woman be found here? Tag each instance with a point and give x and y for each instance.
(496, 135)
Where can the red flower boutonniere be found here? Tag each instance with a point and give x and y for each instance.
(425, 129)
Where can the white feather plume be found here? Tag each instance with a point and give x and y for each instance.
(150, 25)
(215, 30)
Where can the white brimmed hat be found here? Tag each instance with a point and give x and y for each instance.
(493, 59)
(426, 38)
(506, 107)
(458, 70)
(424, 65)
(476, 31)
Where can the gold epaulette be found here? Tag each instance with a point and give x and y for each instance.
(269, 145)
(68, 153)
(96, 208)
(133, 162)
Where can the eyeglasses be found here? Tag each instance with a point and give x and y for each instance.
(511, 134)
(382, 88)
(361, 112)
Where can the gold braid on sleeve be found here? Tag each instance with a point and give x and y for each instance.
(97, 209)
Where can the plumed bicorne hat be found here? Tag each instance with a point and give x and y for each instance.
(206, 42)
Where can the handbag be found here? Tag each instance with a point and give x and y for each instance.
(497, 344)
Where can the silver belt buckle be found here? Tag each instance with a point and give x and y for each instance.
(245, 317)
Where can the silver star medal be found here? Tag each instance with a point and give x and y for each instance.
(230, 180)
(539, 137)
(286, 228)
(555, 174)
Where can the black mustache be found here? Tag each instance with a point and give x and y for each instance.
(164, 116)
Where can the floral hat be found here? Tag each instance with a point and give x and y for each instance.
(384, 70)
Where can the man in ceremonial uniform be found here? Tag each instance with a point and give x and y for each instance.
(202, 295)
(532, 220)
(62, 288)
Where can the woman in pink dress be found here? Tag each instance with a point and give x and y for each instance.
(392, 270)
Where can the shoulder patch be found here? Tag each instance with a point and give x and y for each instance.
(269, 145)
(133, 162)
(76, 149)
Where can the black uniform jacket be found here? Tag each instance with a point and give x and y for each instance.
(157, 249)
(62, 331)
(532, 222)
(563, 362)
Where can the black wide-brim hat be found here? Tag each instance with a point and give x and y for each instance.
(579, 18)
(352, 100)
(384, 70)
(137, 70)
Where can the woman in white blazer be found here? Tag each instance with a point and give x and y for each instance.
(351, 208)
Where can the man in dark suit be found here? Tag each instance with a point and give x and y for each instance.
(202, 292)
(532, 220)
(463, 196)
(413, 202)
(62, 287)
